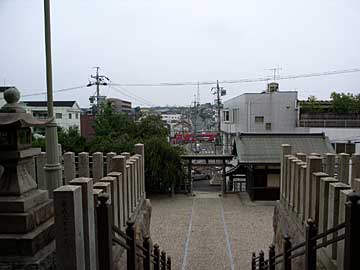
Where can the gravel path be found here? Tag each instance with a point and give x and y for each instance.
(210, 232)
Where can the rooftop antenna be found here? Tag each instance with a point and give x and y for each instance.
(276, 72)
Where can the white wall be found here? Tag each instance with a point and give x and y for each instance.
(277, 108)
(65, 121)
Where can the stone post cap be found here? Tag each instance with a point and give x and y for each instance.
(13, 113)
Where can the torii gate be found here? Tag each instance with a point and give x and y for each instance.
(221, 158)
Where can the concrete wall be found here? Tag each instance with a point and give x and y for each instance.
(277, 108)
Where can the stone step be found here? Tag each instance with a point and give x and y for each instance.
(27, 244)
(20, 204)
(25, 222)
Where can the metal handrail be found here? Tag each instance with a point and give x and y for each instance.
(329, 231)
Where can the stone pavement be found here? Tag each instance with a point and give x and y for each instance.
(210, 232)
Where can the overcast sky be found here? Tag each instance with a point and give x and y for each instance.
(174, 41)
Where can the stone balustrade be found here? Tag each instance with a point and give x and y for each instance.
(316, 186)
(122, 177)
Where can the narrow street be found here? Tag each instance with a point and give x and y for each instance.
(210, 232)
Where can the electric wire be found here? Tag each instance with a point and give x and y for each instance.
(56, 91)
(130, 96)
(261, 79)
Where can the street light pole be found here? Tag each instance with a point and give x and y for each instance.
(53, 172)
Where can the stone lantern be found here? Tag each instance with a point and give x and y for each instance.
(26, 213)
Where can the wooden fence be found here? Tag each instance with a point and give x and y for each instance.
(321, 192)
(91, 214)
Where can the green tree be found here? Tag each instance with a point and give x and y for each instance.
(311, 105)
(71, 140)
(345, 103)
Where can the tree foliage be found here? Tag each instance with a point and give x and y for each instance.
(345, 103)
(116, 132)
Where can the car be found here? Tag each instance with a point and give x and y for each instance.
(197, 176)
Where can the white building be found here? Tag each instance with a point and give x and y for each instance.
(271, 111)
(171, 118)
(66, 113)
(2, 90)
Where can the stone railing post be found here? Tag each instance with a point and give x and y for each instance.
(302, 204)
(69, 228)
(285, 150)
(297, 185)
(69, 167)
(329, 164)
(97, 166)
(88, 211)
(324, 203)
(84, 169)
(40, 173)
(140, 150)
(288, 178)
(293, 179)
(333, 216)
(132, 180)
(315, 206)
(114, 197)
(120, 195)
(313, 164)
(355, 169)
(130, 188)
(356, 186)
(343, 175)
(343, 198)
(119, 165)
(109, 157)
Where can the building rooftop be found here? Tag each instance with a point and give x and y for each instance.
(4, 88)
(44, 103)
(266, 147)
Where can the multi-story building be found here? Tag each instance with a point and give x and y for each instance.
(120, 105)
(271, 111)
(66, 113)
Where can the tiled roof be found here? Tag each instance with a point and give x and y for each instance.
(266, 147)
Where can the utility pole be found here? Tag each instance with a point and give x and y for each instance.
(98, 80)
(53, 172)
(218, 91)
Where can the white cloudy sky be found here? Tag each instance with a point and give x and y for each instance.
(142, 41)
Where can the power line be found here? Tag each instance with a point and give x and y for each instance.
(260, 79)
(134, 95)
(56, 91)
(130, 96)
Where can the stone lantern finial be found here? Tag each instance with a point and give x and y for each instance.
(12, 97)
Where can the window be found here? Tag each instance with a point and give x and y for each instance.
(268, 126)
(77, 116)
(70, 115)
(259, 119)
(58, 115)
(226, 115)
